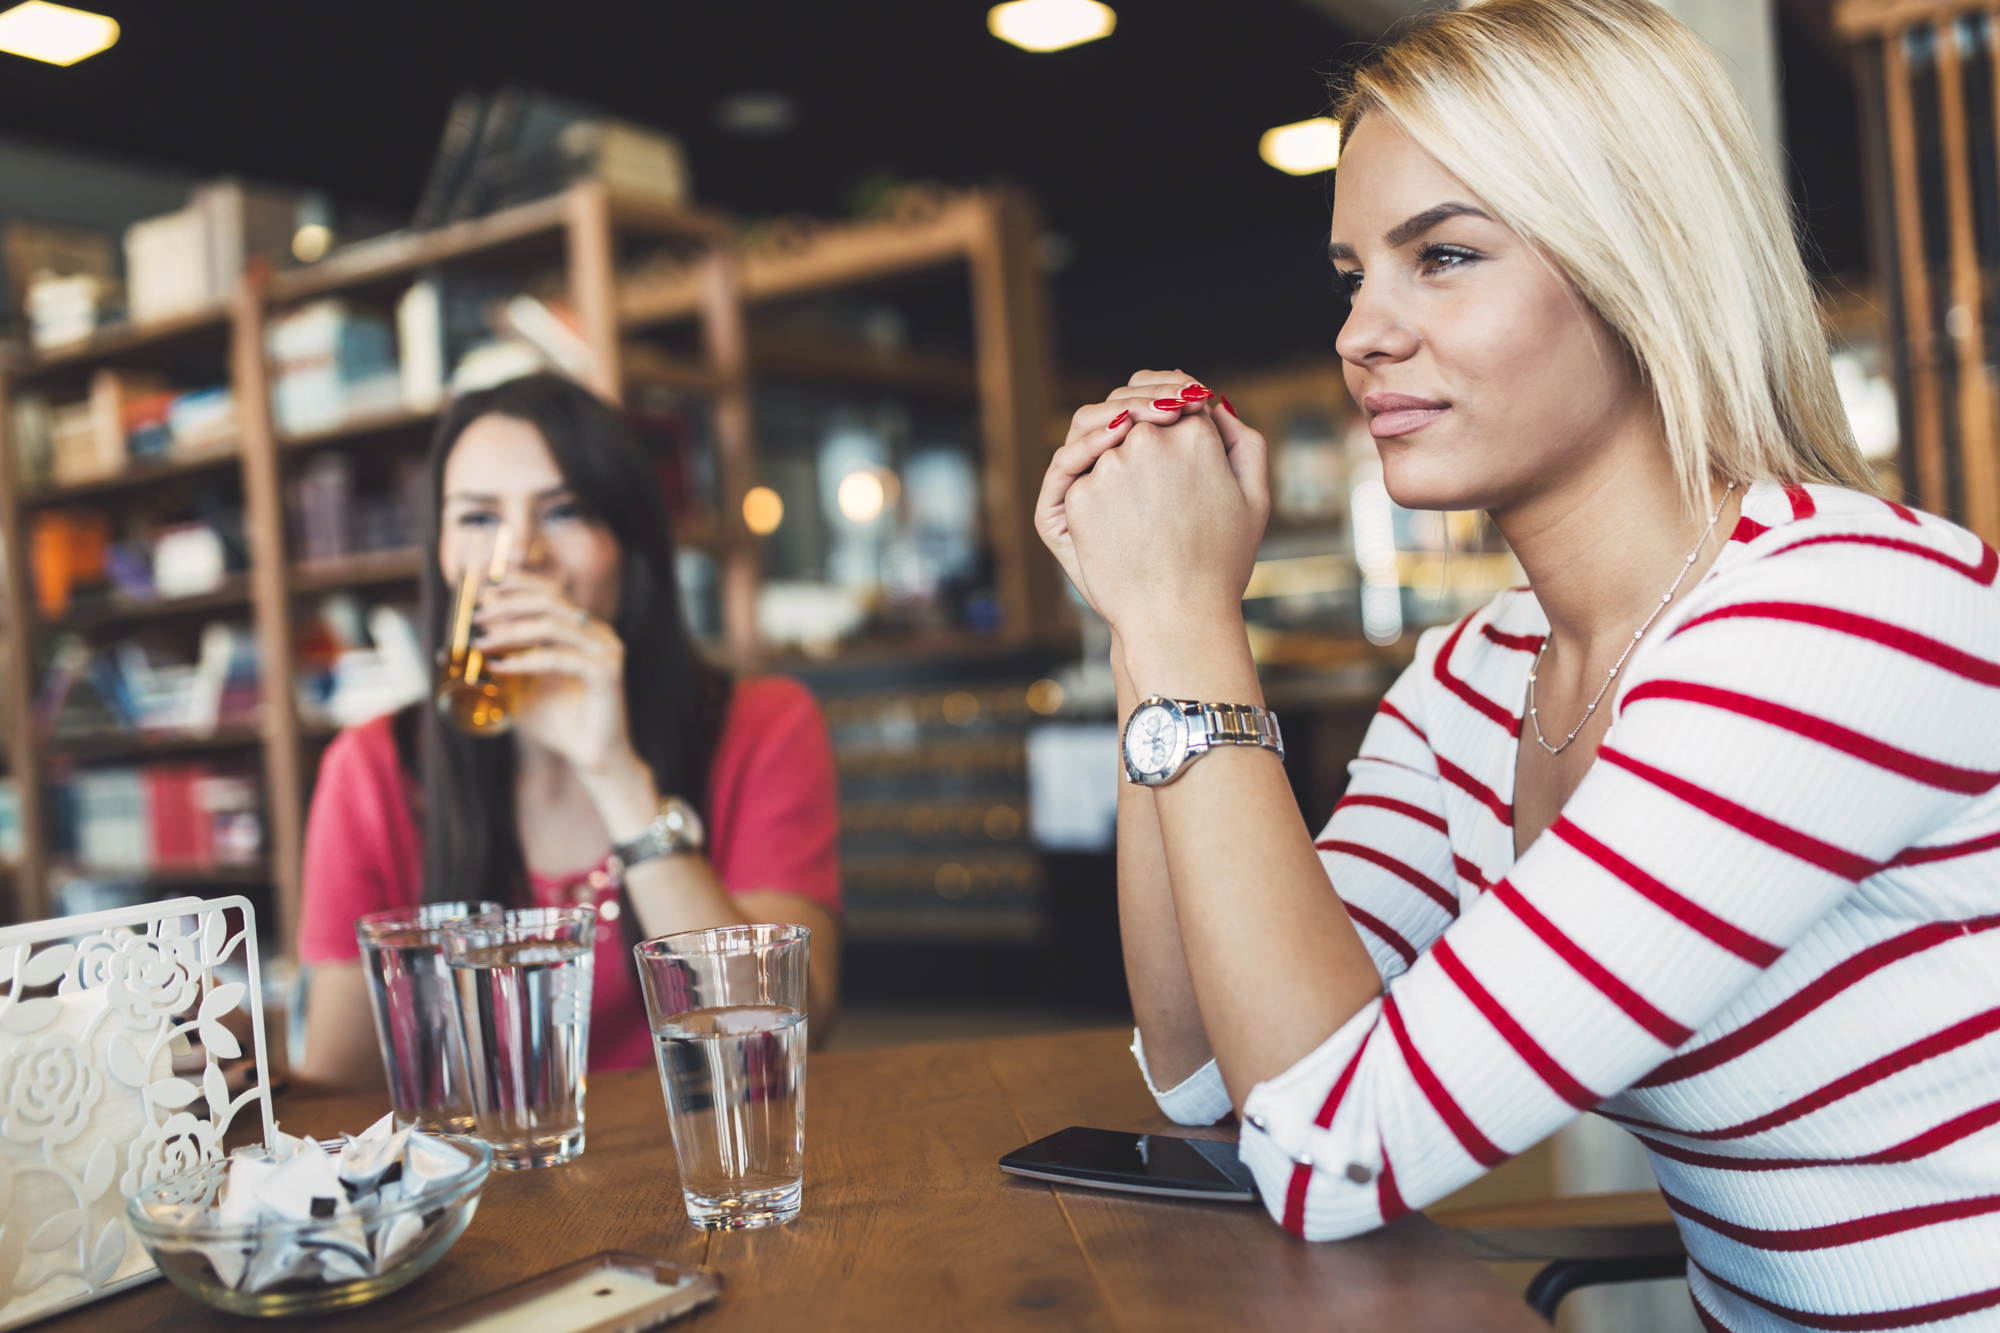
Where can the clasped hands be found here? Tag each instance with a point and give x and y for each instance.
(1155, 505)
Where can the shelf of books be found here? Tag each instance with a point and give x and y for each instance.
(133, 697)
(209, 510)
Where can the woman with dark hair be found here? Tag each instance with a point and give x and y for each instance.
(623, 729)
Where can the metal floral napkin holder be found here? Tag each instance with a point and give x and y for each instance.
(93, 1010)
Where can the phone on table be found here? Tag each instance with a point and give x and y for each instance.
(1158, 1164)
(609, 1292)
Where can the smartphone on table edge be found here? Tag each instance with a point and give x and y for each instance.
(1157, 1164)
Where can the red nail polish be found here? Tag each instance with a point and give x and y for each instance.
(1118, 421)
(1195, 393)
(1226, 407)
(1168, 404)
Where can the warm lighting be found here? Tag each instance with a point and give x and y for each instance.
(763, 510)
(1046, 697)
(861, 496)
(1050, 25)
(311, 241)
(55, 33)
(1302, 148)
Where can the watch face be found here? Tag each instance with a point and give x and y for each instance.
(1151, 739)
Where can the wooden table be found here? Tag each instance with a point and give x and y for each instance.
(908, 1223)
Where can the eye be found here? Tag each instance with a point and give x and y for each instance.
(1346, 282)
(565, 511)
(476, 518)
(1443, 258)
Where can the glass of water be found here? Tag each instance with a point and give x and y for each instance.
(416, 1019)
(522, 982)
(728, 1011)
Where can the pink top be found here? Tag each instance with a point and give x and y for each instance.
(773, 824)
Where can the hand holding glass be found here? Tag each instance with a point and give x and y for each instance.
(471, 697)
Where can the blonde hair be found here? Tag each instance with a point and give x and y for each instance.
(1605, 134)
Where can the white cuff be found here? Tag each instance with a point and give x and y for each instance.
(1198, 1099)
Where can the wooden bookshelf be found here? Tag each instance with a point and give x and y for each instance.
(695, 284)
(136, 475)
(141, 746)
(117, 609)
(366, 569)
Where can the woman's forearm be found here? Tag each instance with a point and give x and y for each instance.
(1274, 962)
(1163, 1002)
(676, 893)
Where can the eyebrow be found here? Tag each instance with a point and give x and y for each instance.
(474, 497)
(1410, 228)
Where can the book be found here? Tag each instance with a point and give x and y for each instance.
(34, 437)
(202, 421)
(330, 362)
(241, 223)
(66, 666)
(67, 549)
(455, 149)
(322, 503)
(529, 144)
(180, 834)
(109, 809)
(112, 393)
(420, 342)
(73, 454)
(166, 266)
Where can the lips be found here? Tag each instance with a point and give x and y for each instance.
(1400, 413)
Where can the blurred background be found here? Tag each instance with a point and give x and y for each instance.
(848, 270)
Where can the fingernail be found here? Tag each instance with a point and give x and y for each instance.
(1226, 407)
(1118, 421)
(1168, 404)
(1195, 393)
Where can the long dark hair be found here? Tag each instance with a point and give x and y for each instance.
(675, 699)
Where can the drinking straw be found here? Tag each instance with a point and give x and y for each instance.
(468, 600)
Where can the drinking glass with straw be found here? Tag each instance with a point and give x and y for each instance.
(470, 696)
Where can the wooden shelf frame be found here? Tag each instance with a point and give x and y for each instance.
(1944, 349)
(989, 235)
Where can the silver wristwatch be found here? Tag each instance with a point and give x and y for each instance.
(676, 829)
(1164, 735)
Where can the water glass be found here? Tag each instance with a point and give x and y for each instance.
(416, 1019)
(728, 1013)
(523, 1005)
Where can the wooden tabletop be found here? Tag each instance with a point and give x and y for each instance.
(908, 1223)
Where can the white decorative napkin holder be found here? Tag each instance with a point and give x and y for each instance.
(93, 1010)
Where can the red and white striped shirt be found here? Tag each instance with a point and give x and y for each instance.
(1761, 936)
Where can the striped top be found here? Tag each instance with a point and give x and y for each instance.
(1761, 935)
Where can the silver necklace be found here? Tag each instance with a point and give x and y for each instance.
(1534, 714)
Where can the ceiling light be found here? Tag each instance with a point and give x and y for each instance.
(55, 33)
(1050, 25)
(1302, 148)
(763, 510)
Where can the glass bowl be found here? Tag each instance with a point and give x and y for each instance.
(178, 1227)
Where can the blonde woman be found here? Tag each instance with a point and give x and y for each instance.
(1700, 831)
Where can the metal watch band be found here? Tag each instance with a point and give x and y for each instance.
(1242, 724)
(675, 829)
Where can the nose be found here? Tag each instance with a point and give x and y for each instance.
(531, 550)
(1375, 332)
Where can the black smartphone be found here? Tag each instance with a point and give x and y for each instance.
(1136, 1163)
